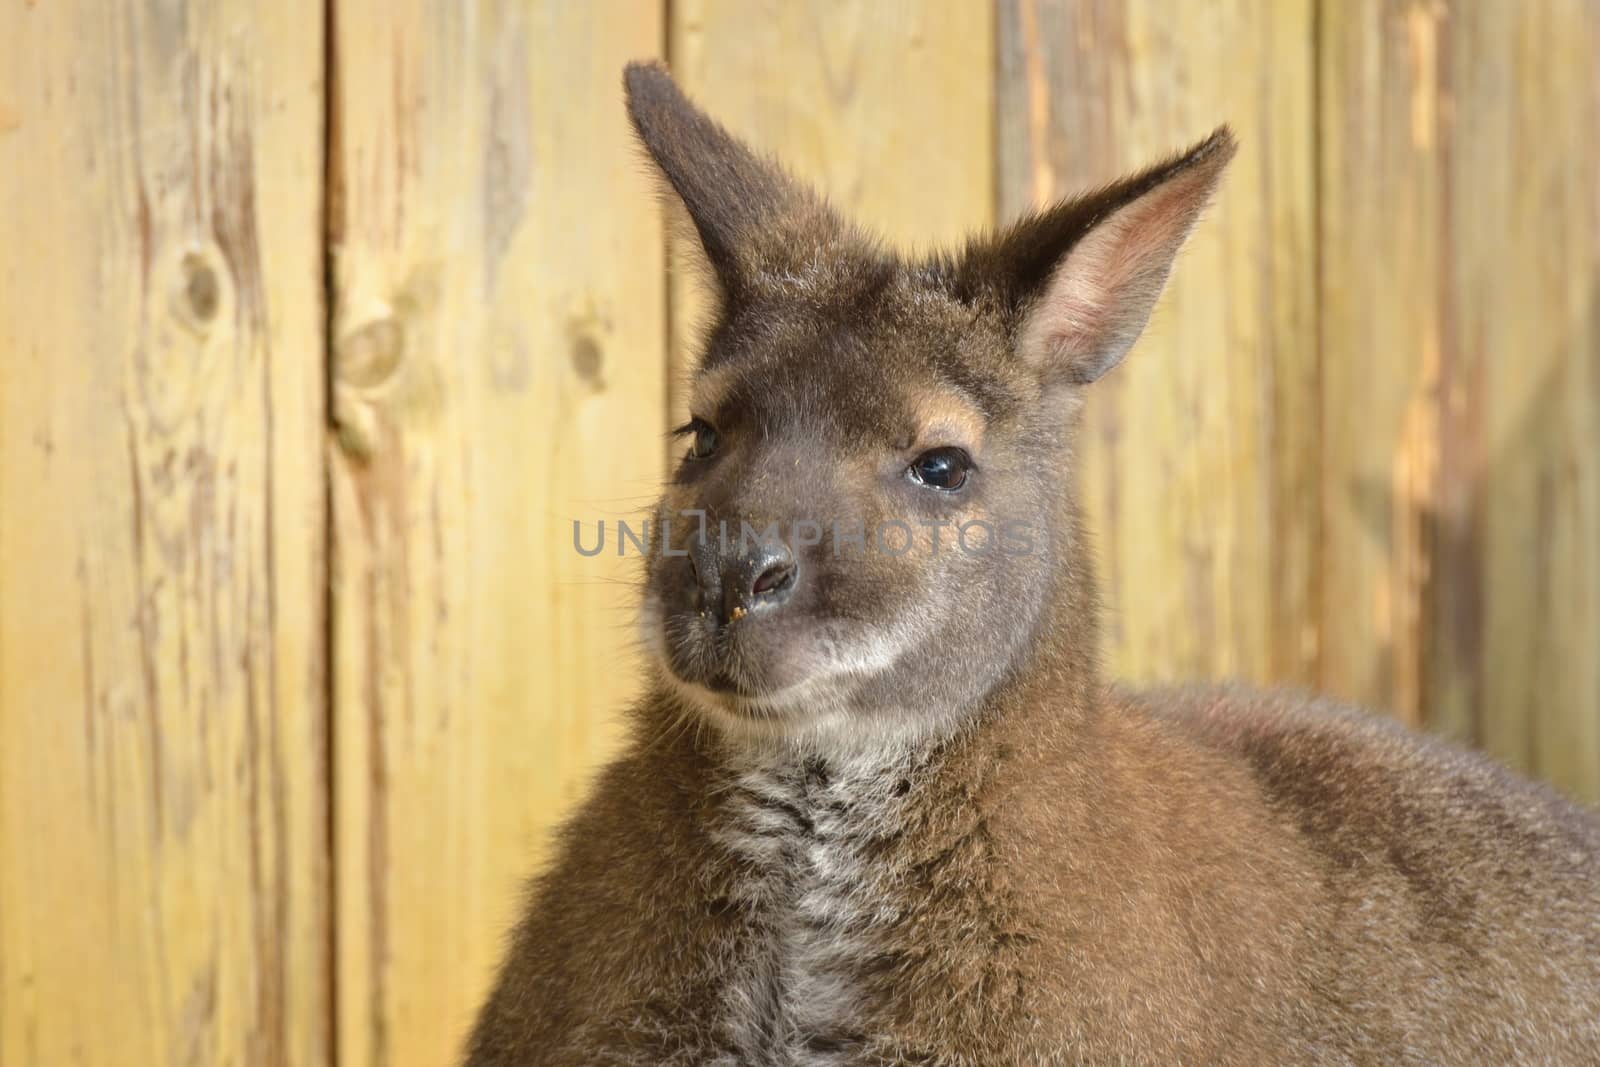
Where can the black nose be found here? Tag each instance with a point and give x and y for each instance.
(738, 580)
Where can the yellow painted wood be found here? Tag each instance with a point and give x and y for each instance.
(888, 108)
(1461, 411)
(500, 370)
(1199, 459)
(162, 719)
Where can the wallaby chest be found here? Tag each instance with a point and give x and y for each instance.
(800, 840)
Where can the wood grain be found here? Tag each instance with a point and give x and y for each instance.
(162, 715)
(1461, 349)
(888, 108)
(1199, 463)
(499, 372)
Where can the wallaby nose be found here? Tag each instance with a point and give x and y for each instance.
(741, 581)
(758, 580)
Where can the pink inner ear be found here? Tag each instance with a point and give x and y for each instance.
(1100, 297)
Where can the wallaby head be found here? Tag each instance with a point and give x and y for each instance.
(873, 524)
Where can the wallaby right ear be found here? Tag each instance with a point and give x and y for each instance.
(731, 194)
(1085, 273)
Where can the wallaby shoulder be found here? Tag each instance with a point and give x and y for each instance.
(1343, 772)
(1458, 904)
(610, 961)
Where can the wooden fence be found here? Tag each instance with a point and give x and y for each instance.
(320, 322)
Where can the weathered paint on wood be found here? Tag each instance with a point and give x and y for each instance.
(888, 108)
(499, 370)
(1460, 305)
(163, 853)
(1199, 459)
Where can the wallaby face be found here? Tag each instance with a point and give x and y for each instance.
(923, 830)
(899, 432)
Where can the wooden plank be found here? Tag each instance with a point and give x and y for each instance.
(1383, 235)
(1199, 462)
(1461, 347)
(888, 108)
(500, 371)
(162, 716)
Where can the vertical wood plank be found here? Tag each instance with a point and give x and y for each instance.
(1199, 462)
(1383, 236)
(162, 718)
(1461, 341)
(499, 371)
(888, 108)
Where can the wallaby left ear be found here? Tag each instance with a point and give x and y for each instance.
(1085, 274)
(747, 210)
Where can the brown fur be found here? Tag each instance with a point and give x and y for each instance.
(966, 849)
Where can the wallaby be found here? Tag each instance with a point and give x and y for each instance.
(879, 805)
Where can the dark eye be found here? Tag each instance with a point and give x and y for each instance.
(704, 438)
(941, 468)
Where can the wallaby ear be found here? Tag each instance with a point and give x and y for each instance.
(734, 197)
(1084, 275)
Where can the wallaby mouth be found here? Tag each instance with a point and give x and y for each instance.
(735, 625)
(724, 683)
(756, 630)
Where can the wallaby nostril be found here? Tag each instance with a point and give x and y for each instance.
(750, 581)
(774, 579)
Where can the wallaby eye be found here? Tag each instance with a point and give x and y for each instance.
(941, 468)
(704, 443)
